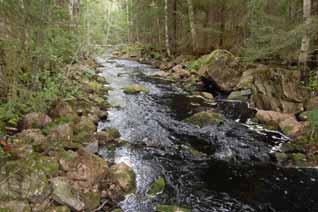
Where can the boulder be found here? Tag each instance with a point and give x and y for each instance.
(283, 121)
(15, 206)
(179, 72)
(86, 170)
(312, 104)
(32, 137)
(124, 176)
(25, 179)
(59, 209)
(34, 120)
(91, 200)
(63, 110)
(161, 74)
(205, 118)
(135, 89)
(84, 130)
(222, 69)
(271, 89)
(61, 133)
(64, 194)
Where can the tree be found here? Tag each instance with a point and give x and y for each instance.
(167, 37)
(192, 26)
(305, 44)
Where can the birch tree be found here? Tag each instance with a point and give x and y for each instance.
(305, 44)
(168, 48)
(192, 26)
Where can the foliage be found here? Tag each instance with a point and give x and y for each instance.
(313, 118)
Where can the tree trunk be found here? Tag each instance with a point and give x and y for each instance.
(175, 26)
(168, 49)
(128, 22)
(109, 22)
(305, 44)
(192, 27)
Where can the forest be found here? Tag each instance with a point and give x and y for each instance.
(158, 105)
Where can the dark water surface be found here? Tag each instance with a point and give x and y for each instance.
(215, 168)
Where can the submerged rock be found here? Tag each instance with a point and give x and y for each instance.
(135, 89)
(157, 187)
(203, 119)
(64, 194)
(124, 176)
(222, 69)
(170, 208)
(35, 120)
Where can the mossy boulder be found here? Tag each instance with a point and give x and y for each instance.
(157, 187)
(107, 136)
(299, 159)
(14, 206)
(124, 176)
(34, 120)
(273, 89)
(203, 119)
(84, 129)
(25, 179)
(59, 209)
(135, 89)
(61, 109)
(91, 200)
(222, 69)
(170, 208)
(61, 133)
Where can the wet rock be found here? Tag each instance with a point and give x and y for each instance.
(34, 120)
(206, 95)
(312, 104)
(61, 133)
(161, 74)
(242, 95)
(87, 170)
(202, 119)
(124, 176)
(223, 70)
(115, 193)
(64, 194)
(284, 121)
(273, 89)
(170, 208)
(135, 89)
(157, 187)
(166, 65)
(179, 72)
(14, 206)
(62, 109)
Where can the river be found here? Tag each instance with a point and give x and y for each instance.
(219, 168)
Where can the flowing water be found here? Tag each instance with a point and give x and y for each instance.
(215, 168)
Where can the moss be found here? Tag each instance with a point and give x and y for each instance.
(135, 89)
(157, 187)
(112, 132)
(116, 210)
(91, 200)
(205, 118)
(170, 208)
(281, 157)
(299, 158)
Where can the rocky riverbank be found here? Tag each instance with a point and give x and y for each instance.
(50, 161)
(276, 94)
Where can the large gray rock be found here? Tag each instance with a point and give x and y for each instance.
(64, 194)
(272, 89)
(222, 69)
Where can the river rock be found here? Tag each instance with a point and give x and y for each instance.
(64, 194)
(134, 89)
(25, 179)
(14, 206)
(124, 176)
(161, 74)
(87, 170)
(59, 209)
(222, 70)
(283, 121)
(170, 208)
(84, 129)
(205, 118)
(272, 89)
(61, 133)
(34, 120)
(312, 104)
